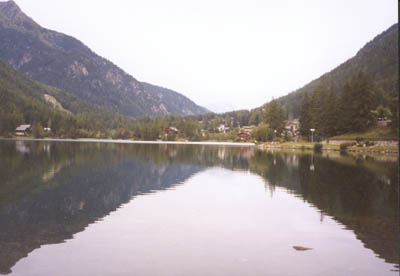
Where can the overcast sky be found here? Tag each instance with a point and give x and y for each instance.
(223, 54)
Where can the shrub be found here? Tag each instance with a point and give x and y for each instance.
(121, 133)
(317, 147)
(359, 140)
(344, 146)
(262, 133)
(171, 136)
(369, 143)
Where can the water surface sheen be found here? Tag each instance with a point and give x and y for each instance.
(131, 209)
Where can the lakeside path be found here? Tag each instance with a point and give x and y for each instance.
(132, 141)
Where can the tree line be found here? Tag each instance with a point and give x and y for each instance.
(327, 109)
(353, 109)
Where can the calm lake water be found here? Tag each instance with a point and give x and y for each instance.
(131, 209)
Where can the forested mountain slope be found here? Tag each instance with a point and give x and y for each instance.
(379, 59)
(64, 62)
(25, 101)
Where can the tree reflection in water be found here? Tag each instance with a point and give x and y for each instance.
(50, 191)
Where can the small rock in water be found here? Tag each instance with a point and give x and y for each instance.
(301, 248)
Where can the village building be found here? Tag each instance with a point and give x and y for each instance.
(247, 129)
(23, 130)
(223, 128)
(243, 136)
(292, 126)
(383, 121)
(170, 130)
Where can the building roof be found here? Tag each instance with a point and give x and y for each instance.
(171, 129)
(23, 128)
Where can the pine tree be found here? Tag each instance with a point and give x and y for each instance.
(364, 97)
(394, 108)
(346, 109)
(275, 116)
(317, 109)
(37, 131)
(330, 113)
(254, 118)
(305, 116)
(357, 103)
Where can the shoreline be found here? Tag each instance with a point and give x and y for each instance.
(209, 143)
(121, 141)
(310, 148)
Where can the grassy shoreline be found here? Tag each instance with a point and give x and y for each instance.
(382, 133)
(329, 147)
(268, 145)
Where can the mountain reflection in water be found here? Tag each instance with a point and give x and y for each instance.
(51, 191)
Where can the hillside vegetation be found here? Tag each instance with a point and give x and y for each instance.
(378, 59)
(24, 101)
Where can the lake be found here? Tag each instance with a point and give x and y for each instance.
(71, 208)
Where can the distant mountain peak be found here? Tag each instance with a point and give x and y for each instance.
(11, 16)
(66, 63)
(9, 6)
(9, 10)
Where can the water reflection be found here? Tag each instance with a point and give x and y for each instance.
(50, 191)
(360, 194)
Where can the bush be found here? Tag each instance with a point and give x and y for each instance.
(359, 140)
(317, 147)
(262, 133)
(171, 136)
(369, 143)
(344, 146)
(121, 133)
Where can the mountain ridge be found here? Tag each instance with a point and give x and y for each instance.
(378, 58)
(66, 63)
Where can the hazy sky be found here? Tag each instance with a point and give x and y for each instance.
(224, 54)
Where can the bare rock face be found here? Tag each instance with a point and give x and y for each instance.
(66, 63)
(12, 17)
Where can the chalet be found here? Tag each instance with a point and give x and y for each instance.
(292, 126)
(23, 130)
(223, 128)
(170, 130)
(243, 136)
(383, 121)
(247, 129)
